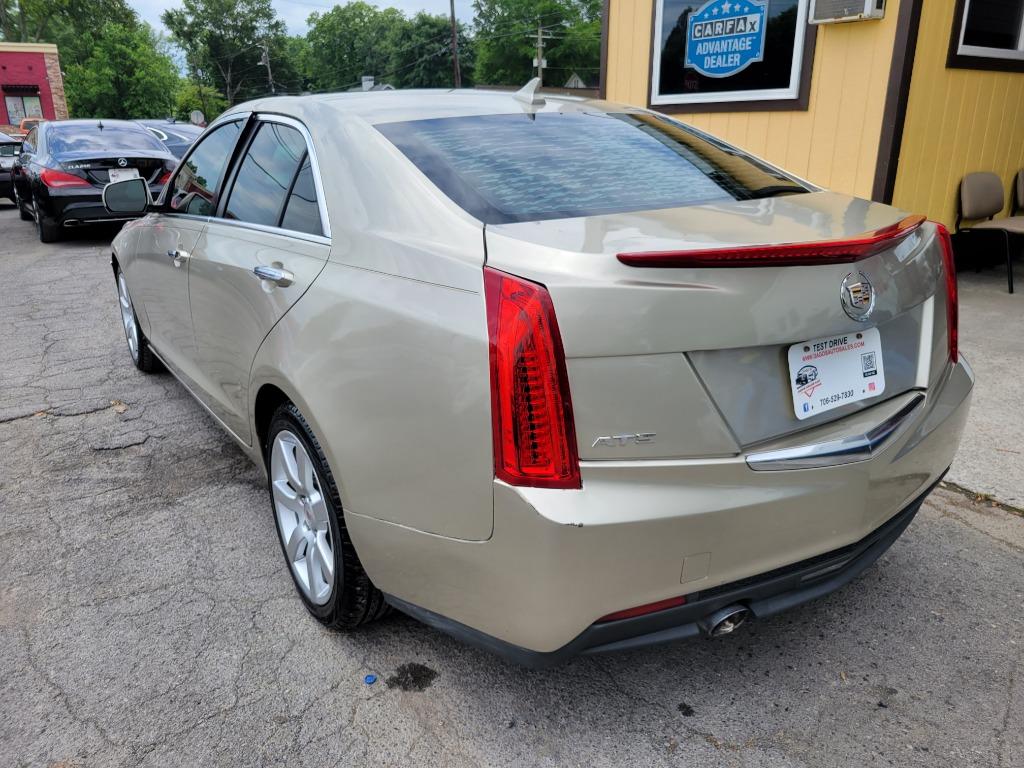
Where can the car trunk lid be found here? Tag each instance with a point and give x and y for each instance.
(697, 355)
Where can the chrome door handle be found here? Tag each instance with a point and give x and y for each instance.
(175, 254)
(281, 277)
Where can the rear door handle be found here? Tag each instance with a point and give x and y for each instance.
(281, 277)
(175, 254)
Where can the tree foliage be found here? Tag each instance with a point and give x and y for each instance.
(222, 42)
(506, 39)
(126, 74)
(192, 96)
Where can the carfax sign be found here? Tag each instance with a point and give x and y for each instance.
(726, 37)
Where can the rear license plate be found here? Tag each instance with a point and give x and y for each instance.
(120, 174)
(835, 370)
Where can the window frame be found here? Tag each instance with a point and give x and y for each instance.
(163, 203)
(236, 164)
(795, 97)
(962, 56)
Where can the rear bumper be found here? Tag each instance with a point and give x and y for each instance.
(70, 208)
(763, 596)
(644, 531)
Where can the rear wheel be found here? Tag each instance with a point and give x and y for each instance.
(23, 211)
(311, 528)
(138, 344)
(48, 232)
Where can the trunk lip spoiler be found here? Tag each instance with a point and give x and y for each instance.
(812, 253)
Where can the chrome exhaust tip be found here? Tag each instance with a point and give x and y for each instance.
(725, 620)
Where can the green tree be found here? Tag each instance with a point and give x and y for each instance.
(350, 41)
(126, 74)
(222, 41)
(61, 22)
(420, 53)
(506, 39)
(192, 96)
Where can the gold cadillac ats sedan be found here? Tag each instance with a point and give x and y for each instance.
(554, 376)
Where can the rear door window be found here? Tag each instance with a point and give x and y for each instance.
(302, 213)
(265, 176)
(525, 167)
(196, 182)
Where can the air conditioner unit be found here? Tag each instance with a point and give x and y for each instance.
(836, 11)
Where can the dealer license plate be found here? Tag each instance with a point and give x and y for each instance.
(835, 370)
(120, 174)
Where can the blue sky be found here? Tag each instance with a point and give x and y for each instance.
(295, 12)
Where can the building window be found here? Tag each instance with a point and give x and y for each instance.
(20, 107)
(988, 34)
(730, 51)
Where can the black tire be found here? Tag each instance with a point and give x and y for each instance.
(354, 599)
(144, 358)
(23, 212)
(48, 232)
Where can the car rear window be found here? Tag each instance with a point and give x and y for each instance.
(89, 138)
(507, 168)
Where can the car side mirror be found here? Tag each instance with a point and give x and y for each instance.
(127, 196)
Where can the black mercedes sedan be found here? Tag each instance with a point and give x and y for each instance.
(64, 165)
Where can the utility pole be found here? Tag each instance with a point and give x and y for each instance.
(540, 54)
(456, 73)
(265, 61)
(541, 37)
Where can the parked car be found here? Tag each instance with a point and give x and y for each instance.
(9, 150)
(65, 164)
(25, 125)
(524, 369)
(177, 137)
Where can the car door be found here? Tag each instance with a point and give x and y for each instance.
(158, 274)
(268, 242)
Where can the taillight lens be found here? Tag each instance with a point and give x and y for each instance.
(534, 437)
(643, 610)
(952, 307)
(58, 179)
(785, 255)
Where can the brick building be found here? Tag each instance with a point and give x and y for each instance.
(31, 84)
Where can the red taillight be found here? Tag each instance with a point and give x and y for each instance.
(785, 255)
(164, 179)
(952, 307)
(59, 179)
(643, 610)
(534, 437)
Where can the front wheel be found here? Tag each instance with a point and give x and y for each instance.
(307, 512)
(23, 212)
(138, 344)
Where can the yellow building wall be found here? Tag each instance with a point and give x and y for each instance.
(958, 121)
(834, 143)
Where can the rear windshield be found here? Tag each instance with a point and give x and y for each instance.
(88, 138)
(506, 168)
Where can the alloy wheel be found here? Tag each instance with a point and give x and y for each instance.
(303, 521)
(131, 328)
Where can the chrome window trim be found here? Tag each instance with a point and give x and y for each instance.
(325, 223)
(294, 234)
(832, 453)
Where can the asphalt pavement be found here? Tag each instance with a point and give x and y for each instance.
(147, 618)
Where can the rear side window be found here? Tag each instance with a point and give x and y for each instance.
(88, 138)
(302, 214)
(196, 181)
(506, 168)
(265, 177)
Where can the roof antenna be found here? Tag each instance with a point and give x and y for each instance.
(528, 94)
(99, 124)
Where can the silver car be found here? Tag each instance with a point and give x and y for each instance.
(552, 375)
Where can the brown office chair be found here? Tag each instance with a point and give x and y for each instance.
(981, 197)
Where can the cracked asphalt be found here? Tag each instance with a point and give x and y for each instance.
(147, 619)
